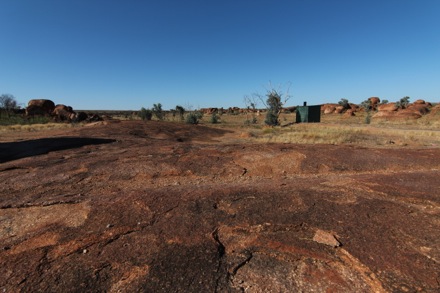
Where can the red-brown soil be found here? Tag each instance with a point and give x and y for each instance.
(167, 207)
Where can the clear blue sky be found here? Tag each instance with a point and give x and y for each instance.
(108, 54)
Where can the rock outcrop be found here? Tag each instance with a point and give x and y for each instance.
(169, 207)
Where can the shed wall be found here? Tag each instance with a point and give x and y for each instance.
(307, 114)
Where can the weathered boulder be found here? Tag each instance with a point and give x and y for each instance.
(354, 107)
(408, 114)
(291, 109)
(387, 107)
(233, 110)
(339, 109)
(349, 113)
(401, 114)
(374, 101)
(63, 113)
(329, 108)
(420, 108)
(40, 107)
(94, 118)
(81, 116)
(211, 111)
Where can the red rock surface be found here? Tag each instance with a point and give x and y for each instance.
(387, 107)
(167, 207)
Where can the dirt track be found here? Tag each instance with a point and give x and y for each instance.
(166, 207)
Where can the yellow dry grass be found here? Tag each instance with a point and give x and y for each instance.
(34, 127)
(364, 135)
(340, 129)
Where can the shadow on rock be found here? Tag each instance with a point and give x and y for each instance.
(10, 151)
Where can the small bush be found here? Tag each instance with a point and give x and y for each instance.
(366, 105)
(368, 118)
(193, 118)
(403, 102)
(145, 114)
(214, 119)
(271, 119)
(157, 111)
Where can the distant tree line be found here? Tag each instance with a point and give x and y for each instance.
(156, 111)
(8, 106)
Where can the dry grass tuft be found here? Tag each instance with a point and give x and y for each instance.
(317, 134)
(338, 129)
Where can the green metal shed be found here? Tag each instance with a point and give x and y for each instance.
(307, 114)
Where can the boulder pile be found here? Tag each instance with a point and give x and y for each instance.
(59, 112)
(414, 110)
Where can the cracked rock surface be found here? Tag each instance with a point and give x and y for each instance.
(167, 207)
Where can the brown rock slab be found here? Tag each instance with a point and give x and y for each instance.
(326, 238)
(168, 207)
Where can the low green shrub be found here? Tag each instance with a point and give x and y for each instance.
(193, 117)
(214, 119)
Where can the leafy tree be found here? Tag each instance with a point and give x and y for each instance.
(145, 114)
(157, 111)
(403, 102)
(344, 103)
(275, 99)
(8, 102)
(274, 106)
(366, 105)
